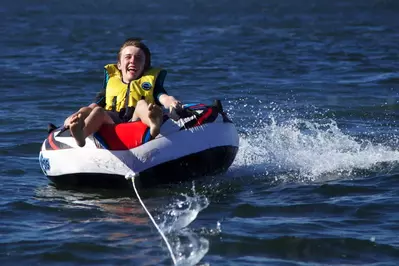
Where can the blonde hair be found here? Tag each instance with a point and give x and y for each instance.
(136, 42)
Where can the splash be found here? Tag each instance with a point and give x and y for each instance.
(189, 247)
(311, 148)
(183, 212)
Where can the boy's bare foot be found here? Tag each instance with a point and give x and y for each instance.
(76, 126)
(155, 115)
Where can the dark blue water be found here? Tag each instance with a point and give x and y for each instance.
(313, 87)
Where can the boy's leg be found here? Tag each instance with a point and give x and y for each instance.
(149, 114)
(81, 128)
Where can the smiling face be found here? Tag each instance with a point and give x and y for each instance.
(131, 63)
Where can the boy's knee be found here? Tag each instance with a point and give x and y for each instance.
(141, 103)
(93, 105)
(85, 110)
(98, 110)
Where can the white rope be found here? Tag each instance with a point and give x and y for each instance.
(132, 176)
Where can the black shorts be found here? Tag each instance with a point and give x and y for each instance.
(115, 117)
(117, 120)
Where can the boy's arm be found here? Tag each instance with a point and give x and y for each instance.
(169, 101)
(161, 96)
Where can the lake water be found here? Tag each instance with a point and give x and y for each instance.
(312, 86)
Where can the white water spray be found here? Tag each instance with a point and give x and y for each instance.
(312, 150)
(189, 247)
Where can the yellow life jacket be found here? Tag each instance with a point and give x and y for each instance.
(117, 95)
